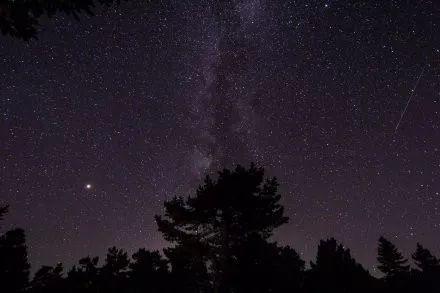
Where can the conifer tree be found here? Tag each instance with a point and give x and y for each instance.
(48, 279)
(391, 261)
(216, 223)
(427, 278)
(425, 260)
(20, 18)
(114, 273)
(14, 265)
(84, 278)
(148, 272)
(335, 270)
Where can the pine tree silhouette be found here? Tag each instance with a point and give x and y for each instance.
(262, 266)
(48, 280)
(14, 266)
(394, 266)
(335, 270)
(425, 260)
(20, 19)
(148, 272)
(115, 271)
(221, 243)
(216, 224)
(391, 261)
(189, 272)
(427, 278)
(85, 277)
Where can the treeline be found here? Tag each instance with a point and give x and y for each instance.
(221, 242)
(21, 19)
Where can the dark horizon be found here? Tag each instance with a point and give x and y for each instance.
(220, 241)
(7, 225)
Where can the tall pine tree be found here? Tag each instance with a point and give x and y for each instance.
(84, 278)
(427, 278)
(14, 265)
(391, 261)
(216, 224)
(48, 279)
(114, 272)
(424, 260)
(335, 270)
(148, 272)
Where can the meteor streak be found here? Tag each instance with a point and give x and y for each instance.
(410, 98)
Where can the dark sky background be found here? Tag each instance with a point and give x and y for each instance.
(142, 100)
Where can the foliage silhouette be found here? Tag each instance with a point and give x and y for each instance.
(114, 273)
(424, 260)
(394, 266)
(14, 266)
(189, 272)
(427, 277)
(267, 267)
(391, 261)
(3, 211)
(84, 278)
(335, 270)
(48, 280)
(221, 242)
(148, 272)
(20, 18)
(221, 219)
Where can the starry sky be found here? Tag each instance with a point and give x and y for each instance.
(102, 120)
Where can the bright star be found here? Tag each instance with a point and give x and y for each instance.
(88, 186)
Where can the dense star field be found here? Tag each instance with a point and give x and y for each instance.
(102, 120)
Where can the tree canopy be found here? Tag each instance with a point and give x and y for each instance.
(335, 270)
(424, 260)
(14, 265)
(220, 241)
(391, 261)
(20, 18)
(223, 219)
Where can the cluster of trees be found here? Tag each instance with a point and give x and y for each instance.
(21, 18)
(221, 242)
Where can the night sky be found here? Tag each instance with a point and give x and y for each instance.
(102, 120)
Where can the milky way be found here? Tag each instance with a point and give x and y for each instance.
(142, 100)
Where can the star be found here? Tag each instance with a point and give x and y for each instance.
(88, 186)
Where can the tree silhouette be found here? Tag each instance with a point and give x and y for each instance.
(394, 266)
(391, 261)
(287, 270)
(148, 272)
(216, 224)
(425, 260)
(115, 270)
(189, 272)
(335, 270)
(267, 267)
(48, 280)
(427, 279)
(221, 243)
(3, 211)
(84, 278)
(20, 18)
(14, 266)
